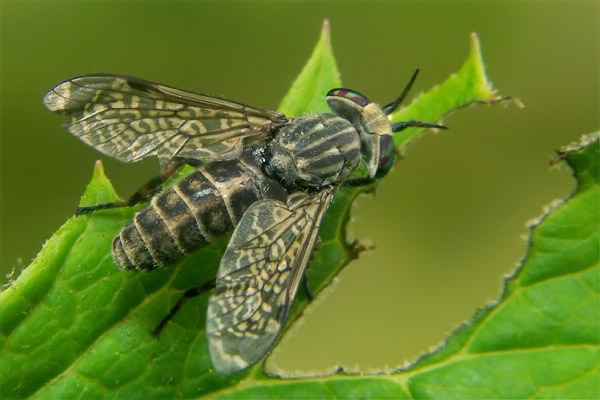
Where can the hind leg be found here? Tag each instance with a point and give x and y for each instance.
(143, 194)
(188, 294)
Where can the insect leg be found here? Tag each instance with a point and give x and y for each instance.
(309, 293)
(367, 180)
(144, 193)
(305, 281)
(193, 292)
(399, 126)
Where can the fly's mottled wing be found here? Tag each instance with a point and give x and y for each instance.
(259, 276)
(130, 119)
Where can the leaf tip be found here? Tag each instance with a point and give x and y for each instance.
(326, 32)
(319, 75)
(486, 89)
(583, 158)
(98, 170)
(584, 141)
(100, 189)
(475, 45)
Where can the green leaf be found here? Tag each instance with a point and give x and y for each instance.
(467, 86)
(320, 74)
(542, 338)
(75, 325)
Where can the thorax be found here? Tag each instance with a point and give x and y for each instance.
(314, 151)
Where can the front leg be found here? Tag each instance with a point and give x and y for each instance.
(363, 181)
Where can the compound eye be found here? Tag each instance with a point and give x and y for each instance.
(351, 95)
(387, 151)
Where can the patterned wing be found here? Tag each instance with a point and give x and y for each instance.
(259, 276)
(130, 118)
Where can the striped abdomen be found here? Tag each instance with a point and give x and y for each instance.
(203, 206)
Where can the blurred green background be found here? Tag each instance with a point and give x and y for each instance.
(448, 222)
